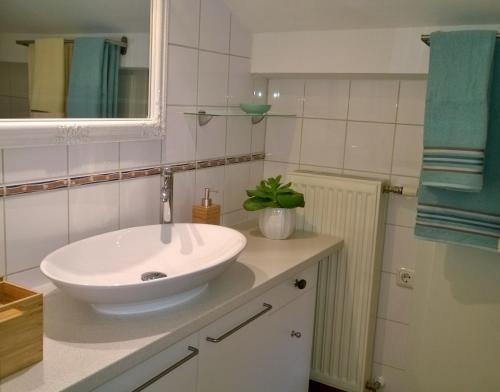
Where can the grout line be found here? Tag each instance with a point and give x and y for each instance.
(346, 125)
(23, 270)
(302, 121)
(209, 50)
(390, 366)
(395, 127)
(393, 321)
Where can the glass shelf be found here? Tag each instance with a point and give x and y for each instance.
(204, 117)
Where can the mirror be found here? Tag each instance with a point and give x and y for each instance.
(71, 59)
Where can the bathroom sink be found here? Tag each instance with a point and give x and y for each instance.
(143, 269)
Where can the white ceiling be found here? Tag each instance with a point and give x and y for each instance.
(74, 16)
(298, 15)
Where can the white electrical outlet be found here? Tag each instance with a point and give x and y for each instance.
(405, 278)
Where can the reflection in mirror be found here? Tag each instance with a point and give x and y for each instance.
(74, 59)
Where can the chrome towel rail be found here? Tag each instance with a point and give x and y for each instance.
(426, 38)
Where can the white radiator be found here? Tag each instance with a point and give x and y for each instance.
(348, 288)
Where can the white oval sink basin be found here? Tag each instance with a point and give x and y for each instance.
(110, 271)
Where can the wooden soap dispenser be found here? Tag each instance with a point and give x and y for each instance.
(206, 212)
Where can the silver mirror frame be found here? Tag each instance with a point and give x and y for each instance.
(23, 132)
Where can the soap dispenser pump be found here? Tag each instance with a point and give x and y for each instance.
(207, 211)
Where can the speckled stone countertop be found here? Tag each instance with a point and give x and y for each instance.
(83, 349)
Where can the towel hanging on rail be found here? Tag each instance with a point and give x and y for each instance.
(468, 218)
(93, 85)
(457, 106)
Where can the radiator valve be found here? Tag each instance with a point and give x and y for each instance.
(375, 385)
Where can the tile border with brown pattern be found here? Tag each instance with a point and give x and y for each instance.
(128, 174)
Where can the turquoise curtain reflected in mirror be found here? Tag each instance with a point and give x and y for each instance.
(93, 81)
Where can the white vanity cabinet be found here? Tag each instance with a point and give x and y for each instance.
(259, 348)
(263, 346)
(172, 370)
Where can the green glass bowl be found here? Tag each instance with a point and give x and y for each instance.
(255, 108)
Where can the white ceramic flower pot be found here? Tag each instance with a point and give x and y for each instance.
(277, 223)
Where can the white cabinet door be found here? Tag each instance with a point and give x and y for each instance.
(236, 363)
(262, 356)
(290, 358)
(172, 370)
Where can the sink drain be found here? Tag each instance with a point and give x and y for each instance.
(152, 275)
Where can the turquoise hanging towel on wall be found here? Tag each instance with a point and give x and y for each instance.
(457, 104)
(472, 218)
(93, 83)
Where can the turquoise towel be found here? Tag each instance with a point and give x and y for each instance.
(456, 115)
(471, 219)
(93, 82)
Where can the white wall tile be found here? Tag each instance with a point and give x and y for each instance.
(37, 224)
(140, 153)
(240, 81)
(184, 21)
(93, 158)
(1, 166)
(211, 139)
(365, 174)
(239, 136)
(241, 39)
(320, 169)
(396, 380)
(2, 241)
(34, 163)
(93, 209)
(286, 96)
(369, 147)
(5, 111)
(256, 173)
(326, 98)
(391, 343)
(212, 79)
(184, 197)
(394, 301)
(273, 169)
(234, 218)
(180, 142)
(408, 148)
(236, 182)
(212, 178)
(402, 210)
(411, 105)
(32, 279)
(283, 139)
(259, 136)
(323, 142)
(140, 202)
(373, 100)
(182, 76)
(400, 248)
(259, 89)
(215, 20)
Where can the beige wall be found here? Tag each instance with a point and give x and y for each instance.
(455, 332)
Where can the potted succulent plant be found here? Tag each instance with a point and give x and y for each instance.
(277, 203)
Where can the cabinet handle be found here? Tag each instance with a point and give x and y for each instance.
(238, 327)
(295, 334)
(300, 284)
(194, 353)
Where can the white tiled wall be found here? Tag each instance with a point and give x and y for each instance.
(208, 66)
(369, 128)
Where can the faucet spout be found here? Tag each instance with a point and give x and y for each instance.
(167, 196)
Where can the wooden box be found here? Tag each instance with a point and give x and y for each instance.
(21, 328)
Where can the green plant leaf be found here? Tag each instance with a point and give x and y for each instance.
(256, 203)
(291, 200)
(271, 193)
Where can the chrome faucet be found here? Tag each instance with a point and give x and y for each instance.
(167, 196)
